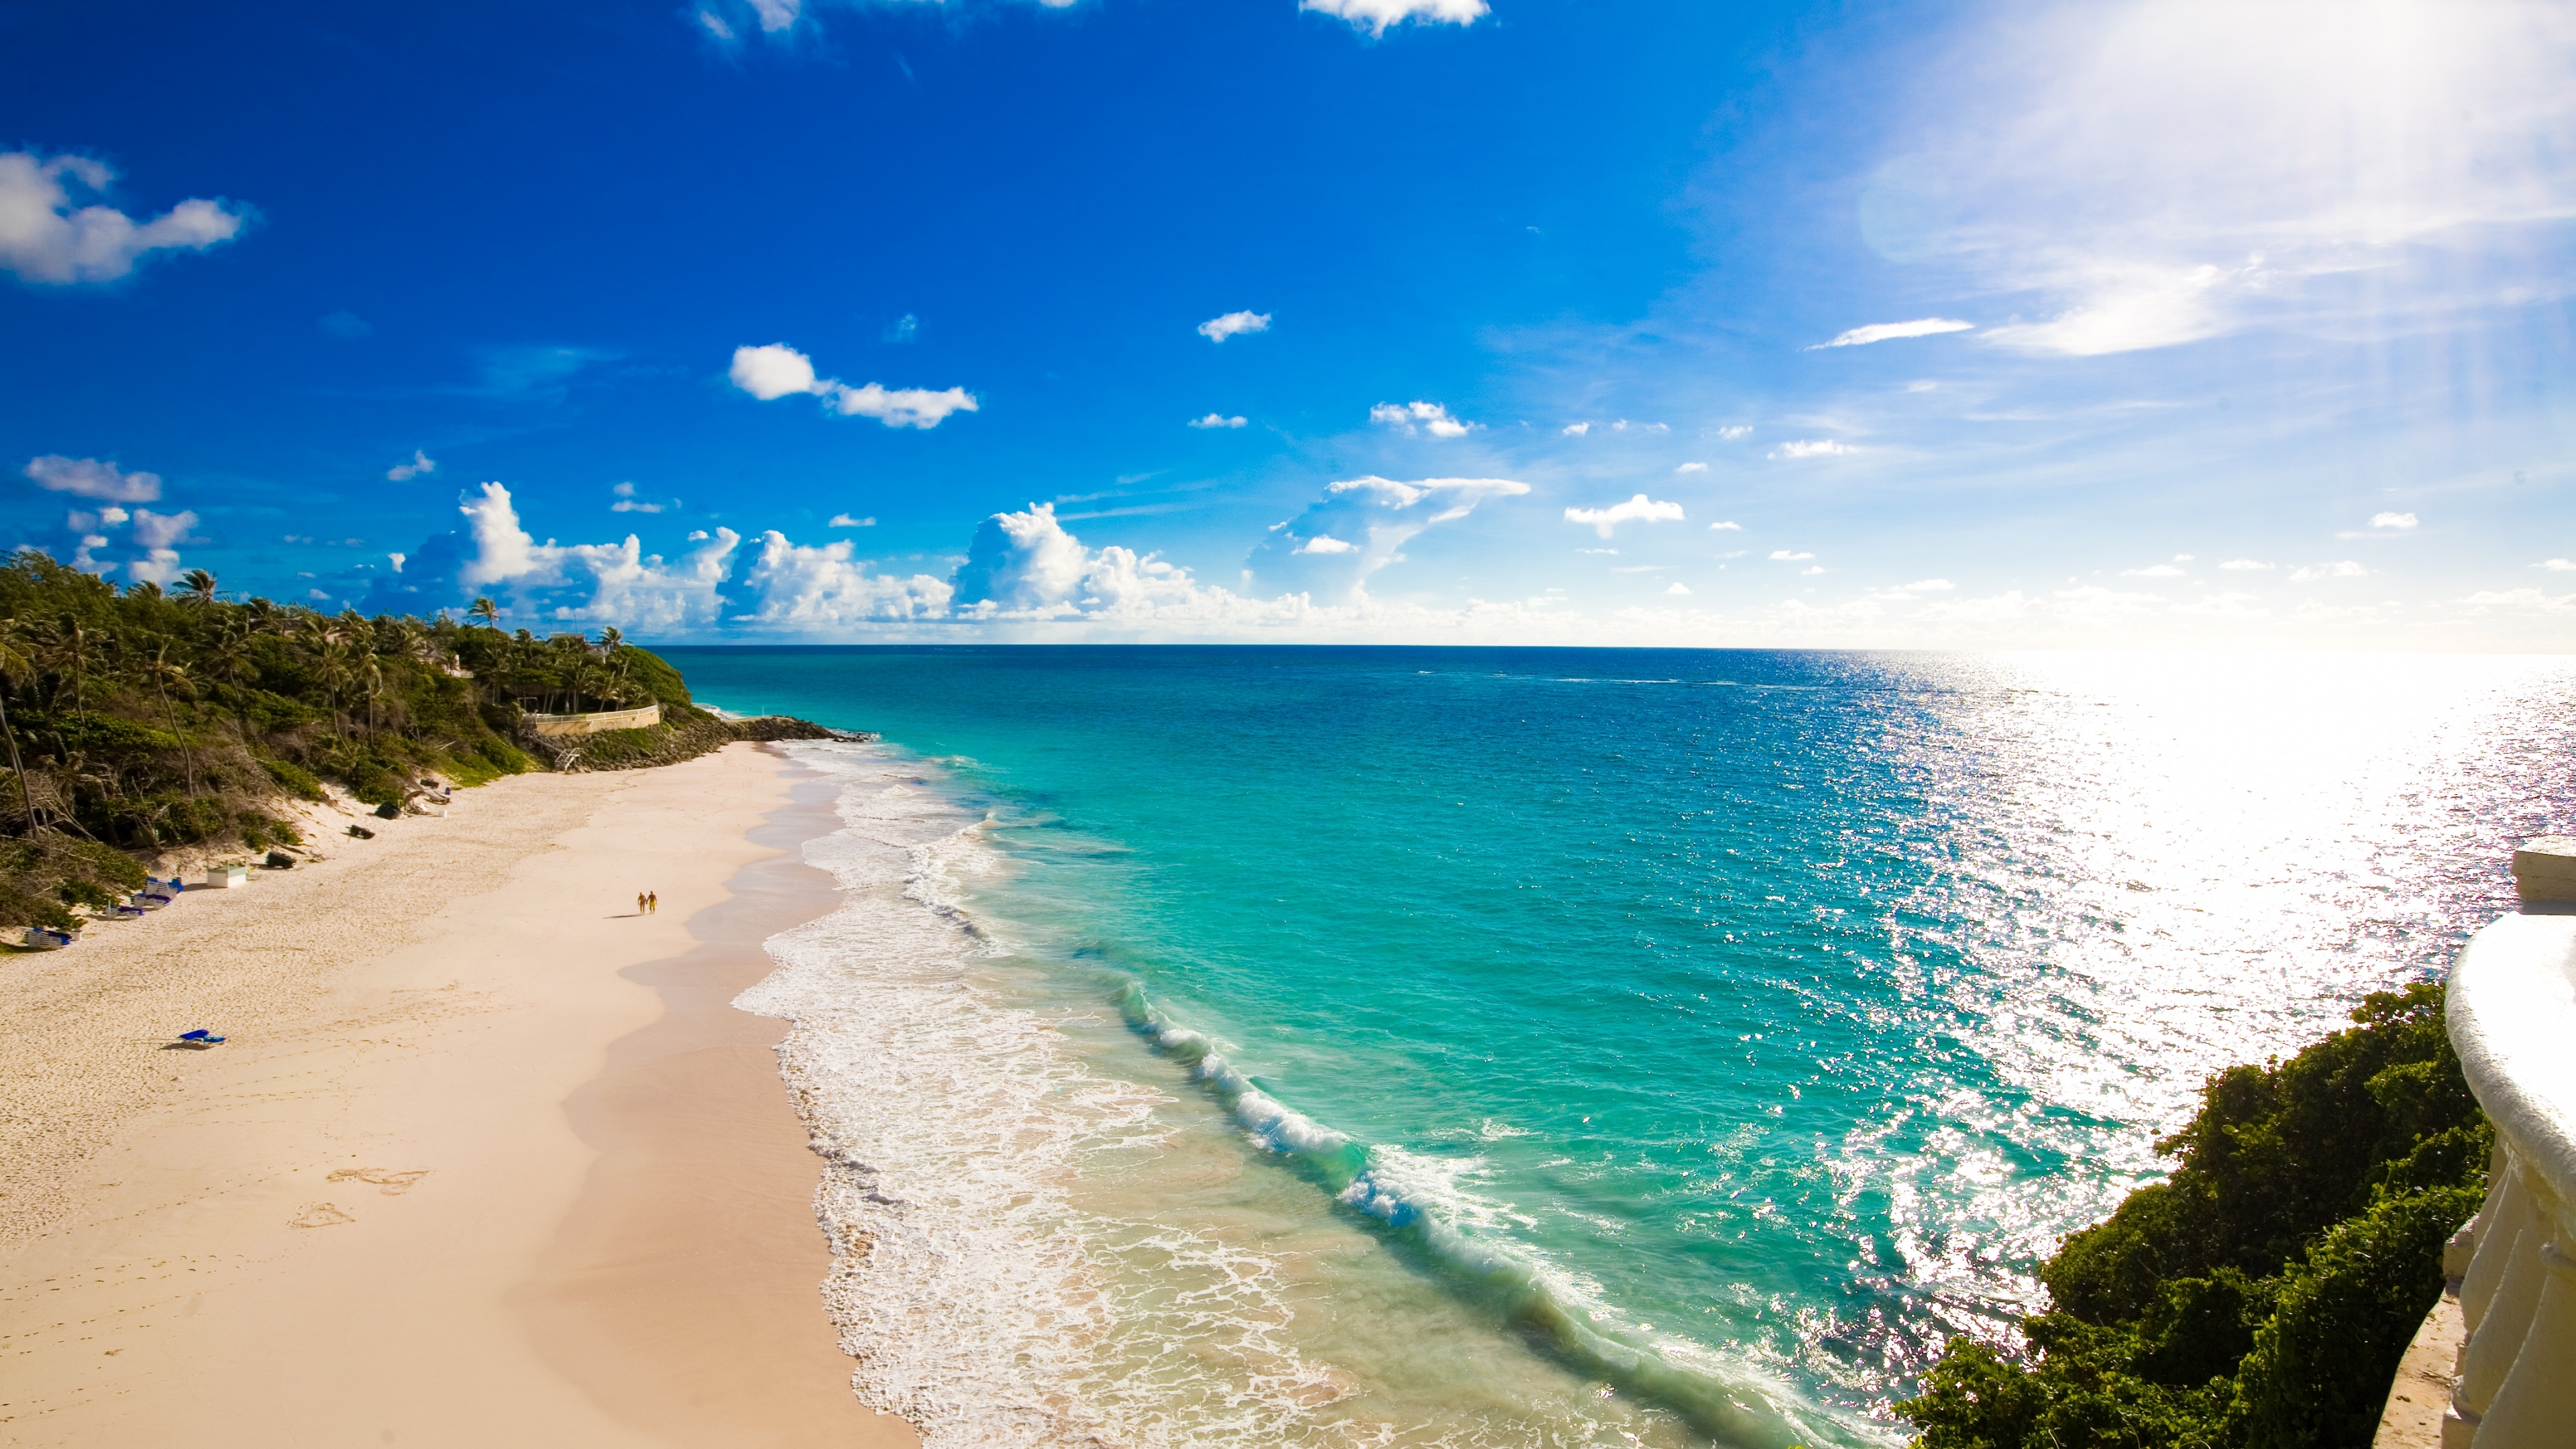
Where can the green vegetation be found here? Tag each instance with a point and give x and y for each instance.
(139, 719)
(2261, 1298)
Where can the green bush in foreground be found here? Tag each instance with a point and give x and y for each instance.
(2261, 1297)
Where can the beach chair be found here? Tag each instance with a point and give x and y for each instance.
(200, 1038)
(41, 939)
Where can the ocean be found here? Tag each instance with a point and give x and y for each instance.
(1464, 1047)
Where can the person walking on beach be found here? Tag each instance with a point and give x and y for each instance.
(652, 902)
(639, 903)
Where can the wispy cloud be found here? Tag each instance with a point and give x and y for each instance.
(843, 520)
(1810, 448)
(90, 478)
(2347, 569)
(405, 472)
(1216, 420)
(1890, 331)
(1692, 468)
(1639, 509)
(2392, 520)
(2557, 565)
(1736, 432)
(1234, 324)
(1576, 430)
(2246, 564)
(1784, 555)
(627, 502)
(1727, 524)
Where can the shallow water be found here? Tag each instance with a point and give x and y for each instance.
(1501, 1047)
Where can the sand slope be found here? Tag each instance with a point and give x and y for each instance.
(487, 1161)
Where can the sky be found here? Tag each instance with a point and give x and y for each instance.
(1941, 325)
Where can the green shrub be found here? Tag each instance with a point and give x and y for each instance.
(297, 780)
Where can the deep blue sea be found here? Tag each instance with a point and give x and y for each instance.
(1490, 1046)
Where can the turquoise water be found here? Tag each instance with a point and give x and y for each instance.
(1604, 1046)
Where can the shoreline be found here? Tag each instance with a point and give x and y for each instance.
(402, 1204)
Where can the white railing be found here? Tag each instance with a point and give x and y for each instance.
(2513, 1020)
(591, 724)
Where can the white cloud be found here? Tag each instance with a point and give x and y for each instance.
(1926, 586)
(2344, 570)
(405, 472)
(1727, 524)
(2392, 520)
(1783, 555)
(397, 559)
(627, 502)
(2529, 600)
(795, 587)
(1216, 420)
(2557, 565)
(1678, 587)
(1889, 331)
(1428, 417)
(1374, 16)
(910, 407)
(715, 26)
(776, 15)
(1576, 430)
(843, 520)
(90, 478)
(2246, 564)
(1736, 432)
(2153, 571)
(1322, 543)
(774, 371)
(158, 531)
(1234, 324)
(609, 583)
(1639, 509)
(43, 239)
(1809, 448)
(1808, 572)
(1692, 468)
(1377, 515)
(777, 370)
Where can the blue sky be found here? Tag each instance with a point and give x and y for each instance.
(1478, 321)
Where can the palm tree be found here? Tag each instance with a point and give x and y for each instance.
(200, 587)
(164, 673)
(16, 662)
(485, 613)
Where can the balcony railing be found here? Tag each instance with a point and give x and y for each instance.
(2513, 1021)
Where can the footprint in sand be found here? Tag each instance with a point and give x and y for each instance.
(319, 1215)
(395, 1181)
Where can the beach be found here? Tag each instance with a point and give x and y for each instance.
(487, 1158)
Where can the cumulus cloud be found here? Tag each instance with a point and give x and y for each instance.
(158, 531)
(2392, 520)
(1640, 509)
(1736, 432)
(2557, 565)
(1789, 556)
(90, 478)
(627, 502)
(44, 239)
(1576, 430)
(796, 587)
(1234, 324)
(1323, 544)
(1889, 331)
(1678, 587)
(2347, 569)
(1809, 448)
(776, 370)
(405, 472)
(1420, 417)
(1692, 468)
(1024, 566)
(1374, 16)
(2522, 600)
(1216, 420)
(608, 583)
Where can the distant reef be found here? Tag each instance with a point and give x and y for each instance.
(142, 720)
(2262, 1296)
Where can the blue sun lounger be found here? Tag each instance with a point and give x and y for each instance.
(200, 1037)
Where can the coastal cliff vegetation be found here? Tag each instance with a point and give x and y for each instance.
(143, 718)
(2261, 1297)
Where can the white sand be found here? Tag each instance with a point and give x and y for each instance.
(370, 1217)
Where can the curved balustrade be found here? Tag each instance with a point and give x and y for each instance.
(2513, 1021)
(557, 725)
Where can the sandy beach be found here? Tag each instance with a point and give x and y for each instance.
(488, 1158)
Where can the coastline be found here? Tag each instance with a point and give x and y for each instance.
(402, 1204)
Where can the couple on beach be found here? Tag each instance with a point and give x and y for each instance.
(647, 902)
